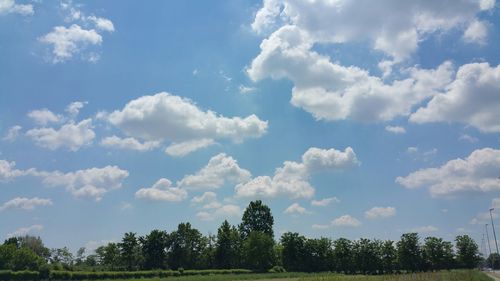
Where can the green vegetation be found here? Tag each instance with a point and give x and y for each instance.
(250, 246)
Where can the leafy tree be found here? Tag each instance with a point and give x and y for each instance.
(366, 255)
(25, 259)
(493, 261)
(467, 251)
(207, 259)
(108, 255)
(436, 253)
(318, 254)
(80, 256)
(258, 251)
(293, 251)
(12, 241)
(448, 256)
(62, 256)
(185, 247)
(154, 249)
(409, 255)
(388, 256)
(6, 252)
(35, 244)
(130, 251)
(228, 246)
(343, 255)
(257, 217)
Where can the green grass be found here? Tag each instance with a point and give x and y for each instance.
(454, 275)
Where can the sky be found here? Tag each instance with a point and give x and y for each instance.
(348, 118)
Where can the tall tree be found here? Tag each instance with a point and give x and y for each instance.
(258, 251)
(109, 255)
(343, 255)
(409, 255)
(130, 251)
(318, 255)
(293, 251)
(153, 248)
(185, 247)
(366, 255)
(227, 247)
(388, 256)
(257, 217)
(35, 244)
(467, 252)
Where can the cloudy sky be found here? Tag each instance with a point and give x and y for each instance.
(349, 118)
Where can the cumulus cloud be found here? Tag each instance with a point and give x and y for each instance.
(380, 212)
(129, 143)
(221, 169)
(325, 201)
(391, 26)
(71, 135)
(12, 133)
(44, 116)
(68, 41)
(11, 7)
(184, 148)
(26, 230)
(25, 203)
(162, 190)
(102, 23)
(206, 198)
(330, 91)
(291, 180)
(73, 109)
(213, 209)
(9, 172)
(477, 173)
(395, 129)
(424, 229)
(468, 138)
(296, 209)
(246, 89)
(483, 218)
(472, 99)
(167, 117)
(476, 33)
(346, 220)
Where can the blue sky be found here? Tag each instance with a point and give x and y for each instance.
(349, 119)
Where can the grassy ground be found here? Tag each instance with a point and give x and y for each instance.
(455, 275)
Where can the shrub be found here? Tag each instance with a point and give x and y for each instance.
(277, 269)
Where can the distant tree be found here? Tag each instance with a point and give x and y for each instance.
(467, 252)
(91, 261)
(207, 259)
(25, 259)
(258, 251)
(343, 255)
(409, 255)
(257, 217)
(293, 251)
(493, 261)
(130, 251)
(366, 255)
(318, 255)
(80, 256)
(109, 255)
(154, 249)
(63, 257)
(448, 256)
(12, 241)
(6, 253)
(388, 256)
(436, 253)
(228, 246)
(35, 244)
(185, 247)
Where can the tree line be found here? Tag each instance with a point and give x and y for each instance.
(250, 245)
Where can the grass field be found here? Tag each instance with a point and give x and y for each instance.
(455, 275)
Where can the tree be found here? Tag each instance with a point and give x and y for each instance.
(185, 247)
(80, 256)
(130, 251)
(62, 256)
(493, 261)
(258, 251)
(35, 244)
(25, 259)
(467, 252)
(436, 253)
(388, 256)
(318, 255)
(6, 252)
(366, 255)
(293, 251)
(343, 255)
(108, 255)
(257, 217)
(409, 255)
(228, 246)
(154, 249)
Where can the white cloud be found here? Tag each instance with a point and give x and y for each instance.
(330, 91)
(162, 190)
(380, 212)
(468, 138)
(291, 180)
(395, 129)
(206, 197)
(346, 220)
(391, 26)
(246, 89)
(424, 229)
(25, 203)
(71, 135)
(129, 143)
(321, 226)
(476, 32)
(476, 173)
(67, 42)
(92, 183)
(102, 23)
(184, 148)
(223, 212)
(8, 171)
(92, 245)
(325, 202)
(10, 6)
(295, 208)
(73, 109)
(221, 169)
(167, 117)
(125, 206)
(26, 230)
(483, 218)
(472, 99)
(12, 133)
(44, 116)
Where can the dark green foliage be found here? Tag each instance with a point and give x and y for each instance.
(388, 257)
(467, 252)
(343, 255)
(366, 256)
(109, 255)
(257, 217)
(293, 251)
(185, 247)
(130, 251)
(258, 251)
(154, 249)
(409, 255)
(228, 246)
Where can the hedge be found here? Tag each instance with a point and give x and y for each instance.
(7, 275)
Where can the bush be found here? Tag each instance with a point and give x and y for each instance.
(277, 269)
